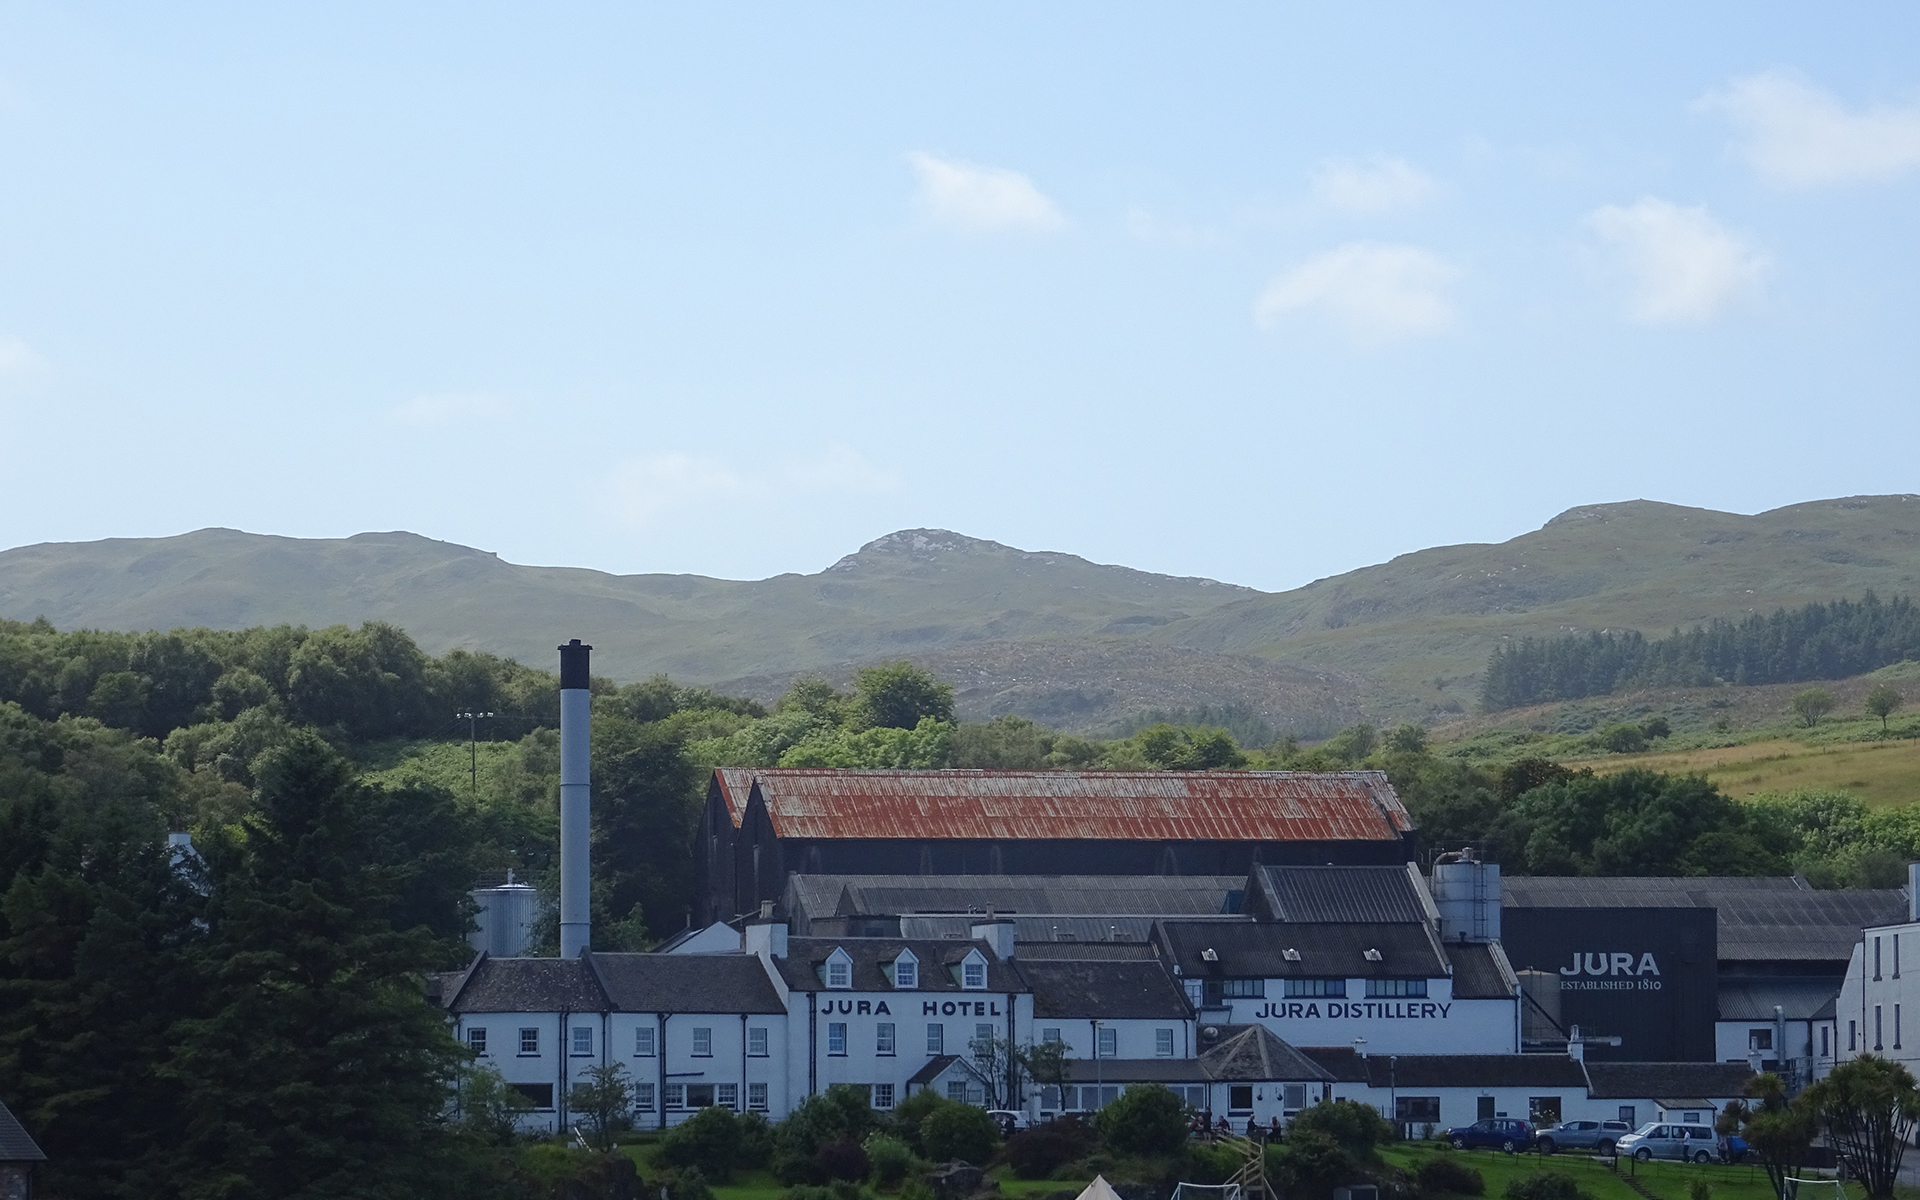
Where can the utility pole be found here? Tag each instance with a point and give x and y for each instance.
(473, 746)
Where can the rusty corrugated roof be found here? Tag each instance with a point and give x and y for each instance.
(1235, 806)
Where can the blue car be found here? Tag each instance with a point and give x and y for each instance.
(1492, 1133)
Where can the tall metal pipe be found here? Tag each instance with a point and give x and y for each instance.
(576, 875)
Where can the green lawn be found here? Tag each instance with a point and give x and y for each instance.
(1668, 1180)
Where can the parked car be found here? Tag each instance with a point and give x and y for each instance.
(1009, 1120)
(1495, 1133)
(1597, 1136)
(1664, 1139)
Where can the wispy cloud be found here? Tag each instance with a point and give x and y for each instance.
(445, 408)
(1683, 267)
(1368, 187)
(1375, 291)
(645, 489)
(1796, 134)
(976, 199)
(16, 357)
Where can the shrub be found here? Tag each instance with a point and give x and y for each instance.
(710, 1140)
(1146, 1120)
(1038, 1152)
(1699, 1189)
(961, 1131)
(1543, 1185)
(1206, 1162)
(1354, 1127)
(691, 1185)
(844, 1159)
(909, 1113)
(890, 1158)
(1444, 1174)
(841, 1114)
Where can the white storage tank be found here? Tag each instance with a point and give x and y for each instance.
(506, 918)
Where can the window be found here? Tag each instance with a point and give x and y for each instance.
(727, 1095)
(1692, 1118)
(1050, 1037)
(477, 1040)
(540, 1095)
(1243, 989)
(883, 1095)
(982, 1044)
(757, 1042)
(676, 1095)
(1824, 1051)
(1395, 988)
(839, 973)
(1195, 1095)
(529, 1041)
(1896, 1027)
(643, 1042)
(1296, 1097)
(1314, 988)
(1483, 1109)
(1163, 1043)
(699, 1095)
(906, 972)
(1626, 1114)
(1876, 1028)
(883, 1038)
(1416, 1110)
(1896, 956)
(936, 1038)
(1543, 1110)
(973, 975)
(1853, 1036)
(1876, 958)
(1050, 1098)
(1107, 1043)
(757, 1097)
(837, 1038)
(1240, 1097)
(583, 1041)
(643, 1097)
(1759, 1039)
(957, 1090)
(702, 1042)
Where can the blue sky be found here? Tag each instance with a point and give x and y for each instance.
(1257, 292)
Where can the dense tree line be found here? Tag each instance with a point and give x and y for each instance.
(1819, 641)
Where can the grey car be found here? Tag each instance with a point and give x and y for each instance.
(1597, 1136)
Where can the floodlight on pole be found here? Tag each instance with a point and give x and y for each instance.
(473, 720)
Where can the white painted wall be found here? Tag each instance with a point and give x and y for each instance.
(1437, 1024)
(1879, 1006)
(959, 1015)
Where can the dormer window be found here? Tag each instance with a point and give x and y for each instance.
(839, 969)
(906, 971)
(973, 972)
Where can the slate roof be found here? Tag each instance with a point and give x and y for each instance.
(527, 985)
(816, 896)
(1801, 998)
(1135, 1070)
(1649, 1081)
(1481, 972)
(16, 1146)
(801, 968)
(1760, 920)
(1346, 1065)
(687, 983)
(1229, 806)
(1081, 951)
(1381, 895)
(931, 1071)
(1104, 990)
(1327, 951)
(1108, 930)
(1254, 1052)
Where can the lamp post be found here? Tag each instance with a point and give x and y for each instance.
(473, 746)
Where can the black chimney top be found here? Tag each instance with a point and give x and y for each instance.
(573, 665)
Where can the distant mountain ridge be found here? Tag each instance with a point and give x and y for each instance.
(1047, 634)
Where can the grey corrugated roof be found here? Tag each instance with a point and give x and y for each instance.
(15, 1143)
(1480, 972)
(1254, 1052)
(814, 896)
(1104, 990)
(1341, 1063)
(1649, 1081)
(1760, 920)
(687, 983)
(801, 967)
(529, 985)
(1335, 894)
(1330, 951)
(1080, 951)
(1036, 929)
(1753, 999)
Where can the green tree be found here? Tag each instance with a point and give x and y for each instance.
(490, 1107)
(1811, 704)
(1046, 1063)
(842, 1113)
(898, 696)
(713, 1139)
(1407, 738)
(1147, 1119)
(602, 1102)
(1351, 744)
(1778, 1129)
(1868, 1107)
(960, 1131)
(1881, 702)
(646, 808)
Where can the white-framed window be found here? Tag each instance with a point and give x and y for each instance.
(837, 1038)
(1243, 989)
(477, 1039)
(643, 1041)
(643, 1097)
(883, 1038)
(1163, 1043)
(702, 1042)
(676, 1095)
(583, 1041)
(839, 969)
(757, 1097)
(983, 1041)
(1050, 1037)
(883, 1095)
(757, 1041)
(530, 1041)
(906, 971)
(1314, 989)
(936, 1038)
(973, 973)
(727, 1095)
(1395, 988)
(1107, 1043)
(957, 1090)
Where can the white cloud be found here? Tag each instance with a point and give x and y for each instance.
(645, 489)
(1374, 290)
(446, 408)
(16, 357)
(1795, 134)
(977, 199)
(1685, 267)
(1371, 186)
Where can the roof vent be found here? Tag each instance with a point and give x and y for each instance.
(1290, 954)
(1209, 955)
(1209, 1032)
(1373, 956)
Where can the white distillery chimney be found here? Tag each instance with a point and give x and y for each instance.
(576, 827)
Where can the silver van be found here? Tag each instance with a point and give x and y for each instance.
(1666, 1139)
